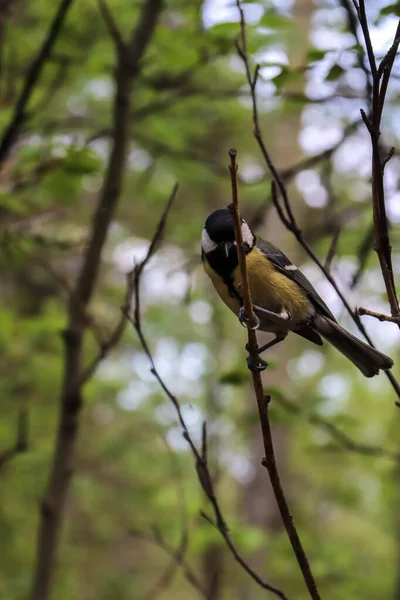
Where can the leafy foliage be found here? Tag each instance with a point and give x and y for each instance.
(132, 469)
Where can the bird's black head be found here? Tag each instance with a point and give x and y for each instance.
(219, 232)
(219, 226)
(218, 240)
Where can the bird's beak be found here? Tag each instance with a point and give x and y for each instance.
(227, 247)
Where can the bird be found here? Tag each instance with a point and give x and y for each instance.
(283, 298)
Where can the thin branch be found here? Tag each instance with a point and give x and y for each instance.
(178, 555)
(285, 212)
(337, 434)
(364, 250)
(332, 248)
(381, 317)
(54, 86)
(21, 441)
(362, 17)
(310, 161)
(10, 133)
(380, 81)
(177, 560)
(112, 27)
(201, 462)
(263, 401)
(112, 341)
(352, 22)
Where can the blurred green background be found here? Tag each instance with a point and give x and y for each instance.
(134, 494)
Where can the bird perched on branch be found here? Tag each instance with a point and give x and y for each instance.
(283, 298)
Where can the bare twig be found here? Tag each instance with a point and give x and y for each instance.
(262, 400)
(352, 22)
(337, 434)
(380, 80)
(107, 345)
(285, 212)
(201, 462)
(177, 560)
(71, 398)
(332, 249)
(363, 253)
(10, 134)
(112, 26)
(310, 161)
(381, 317)
(21, 442)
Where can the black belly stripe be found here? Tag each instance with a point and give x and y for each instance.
(224, 266)
(232, 290)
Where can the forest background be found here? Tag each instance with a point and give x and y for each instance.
(104, 107)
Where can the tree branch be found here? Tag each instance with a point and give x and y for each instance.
(177, 560)
(71, 399)
(285, 212)
(380, 81)
(10, 134)
(201, 463)
(338, 435)
(381, 317)
(262, 400)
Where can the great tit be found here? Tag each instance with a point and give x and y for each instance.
(283, 298)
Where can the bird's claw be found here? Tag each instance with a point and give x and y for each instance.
(256, 366)
(244, 320)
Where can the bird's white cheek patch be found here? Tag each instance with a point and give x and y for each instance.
(247, 235)
(291, 268)
(206, 242)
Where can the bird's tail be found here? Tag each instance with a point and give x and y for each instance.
(363, 356)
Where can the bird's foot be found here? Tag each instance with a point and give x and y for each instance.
(256, 365)
(244, 320)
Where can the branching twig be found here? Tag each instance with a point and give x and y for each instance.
(263, 401)
(285, 212)
(10, 134)
(380, 80)
(337, 434)
(177, 560)
(332, 249)
(381, 317)
(363, 253)
(202, 468)
(107, 345)
(352, 22)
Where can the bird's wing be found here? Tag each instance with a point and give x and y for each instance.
(285, 266)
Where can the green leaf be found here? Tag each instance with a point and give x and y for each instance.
(315, 54)
(334, 73)
(392, 9)
(12, 204)
(81, 161)
(282, 78)
(273, 20)
(234, 377)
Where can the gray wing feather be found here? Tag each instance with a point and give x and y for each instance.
(281, 262)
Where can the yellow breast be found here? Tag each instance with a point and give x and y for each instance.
(269, 288)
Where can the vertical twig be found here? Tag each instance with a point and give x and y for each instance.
(201, 458)
(285, 212)
(380, 81)
(263, 401)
